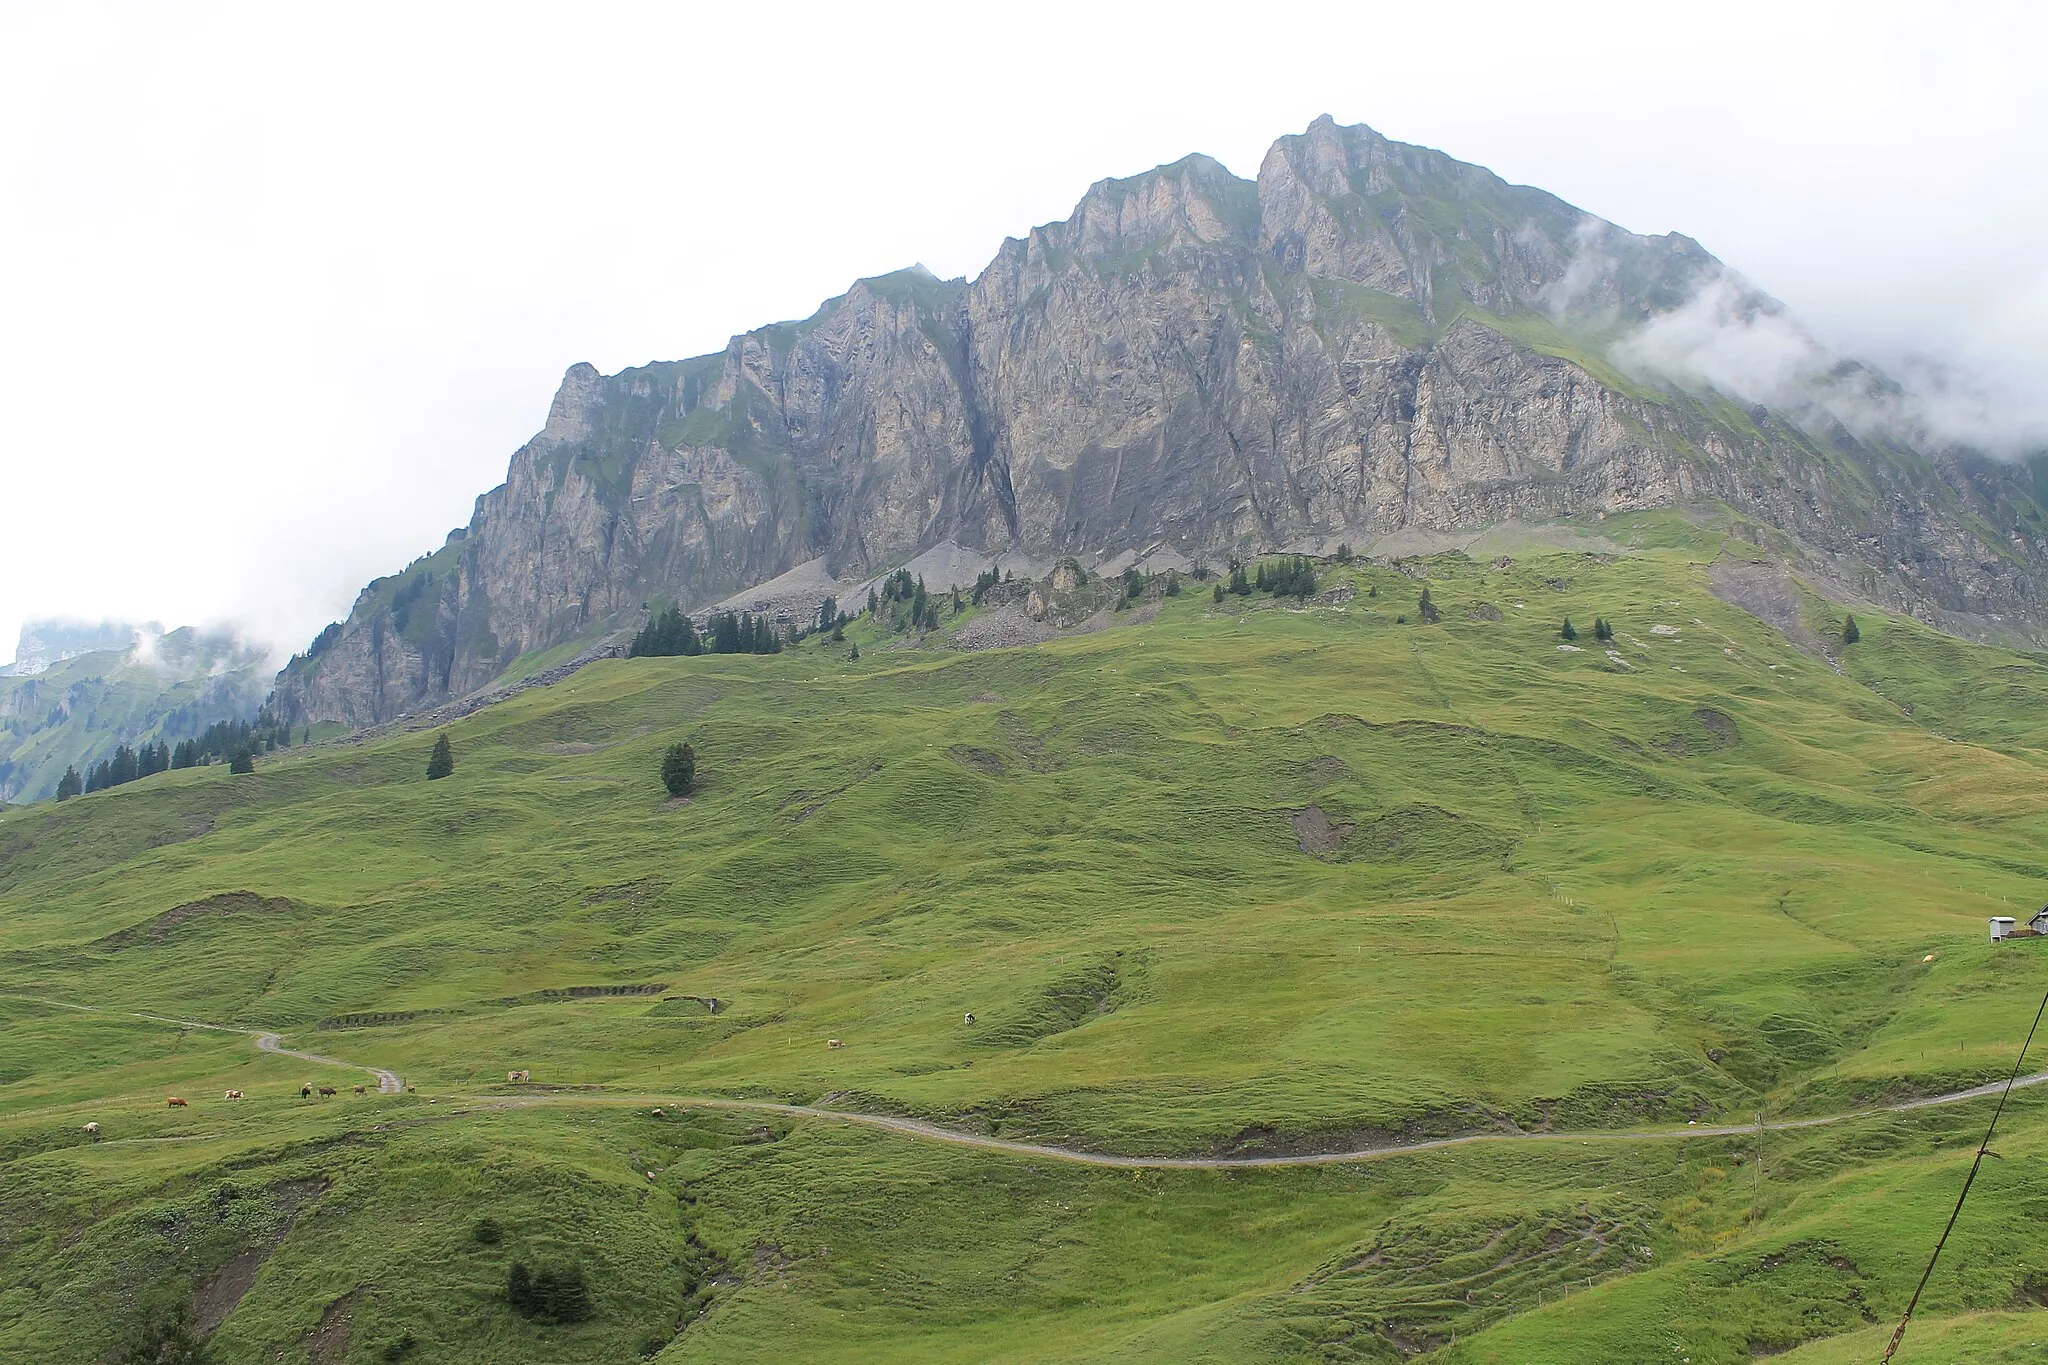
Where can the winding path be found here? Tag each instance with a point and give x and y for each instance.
(389, 1083)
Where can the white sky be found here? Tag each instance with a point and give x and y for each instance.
(282, 287)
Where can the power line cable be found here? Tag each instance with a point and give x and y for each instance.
(1983, 1150)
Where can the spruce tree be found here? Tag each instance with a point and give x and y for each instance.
(69, 785)
(166, 1338)
(1425, 610)
(1850, 635)
(679, 769)
(441, 762)
(1568, 633)
(242, 762)
(1219, 594)
(854, 653)
(1601, 630)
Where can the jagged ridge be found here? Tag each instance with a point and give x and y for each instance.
(1372, 336)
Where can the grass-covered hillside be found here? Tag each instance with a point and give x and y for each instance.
(1248, 878)
(76, 712)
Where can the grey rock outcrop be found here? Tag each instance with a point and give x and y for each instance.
(1370, 338)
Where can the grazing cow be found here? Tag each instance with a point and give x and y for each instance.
(359, 1090)
(92, 1130)
(232, 1095)
(175, 1103)
(658, 1114)
(327, 1090)
(306, 1091)
(833, 1042)
(970, 1016)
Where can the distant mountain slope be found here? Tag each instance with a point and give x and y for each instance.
(75, 709)
(1370, 338)
(44, 643)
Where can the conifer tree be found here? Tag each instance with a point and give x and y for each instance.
(70, 785)
(1219, 594)
(1601, 630)
(1425, 610)
(166, 1338)
(679, 769)
(1850, 635)
(1568, 632)
(242, 762)
(441, 762)
(854, 653)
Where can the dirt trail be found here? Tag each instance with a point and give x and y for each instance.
(932, 1131)
(388, 1082)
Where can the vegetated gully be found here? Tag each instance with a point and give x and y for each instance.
(389, 1083)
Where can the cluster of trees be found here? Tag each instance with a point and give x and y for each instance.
(983, 581)
(237, 741)
(165, 1337)
(1288, 576)
(906, 604)
(741, 633)
(1292, 576)
(666, 635)
(1602, 631)
(669, 633)
(1136, 582)
(548, 1293)
(831, 618)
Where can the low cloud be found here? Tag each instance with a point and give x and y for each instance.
(1730, 337)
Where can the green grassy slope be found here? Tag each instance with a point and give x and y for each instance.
(1546, 888)
(77, 711)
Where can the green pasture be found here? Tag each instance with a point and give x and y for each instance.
(1256, 877)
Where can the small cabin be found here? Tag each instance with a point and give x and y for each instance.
(2002, 927)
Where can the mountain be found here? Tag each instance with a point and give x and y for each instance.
(1371, 342)
(75, 693)
(44, 643)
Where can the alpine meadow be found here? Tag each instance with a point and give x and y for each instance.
(1237, 788)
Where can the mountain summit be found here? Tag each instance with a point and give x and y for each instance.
(1370, 338)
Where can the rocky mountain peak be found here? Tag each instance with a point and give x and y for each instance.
(1372, 338)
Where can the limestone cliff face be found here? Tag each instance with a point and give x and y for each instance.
(1370, 337)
